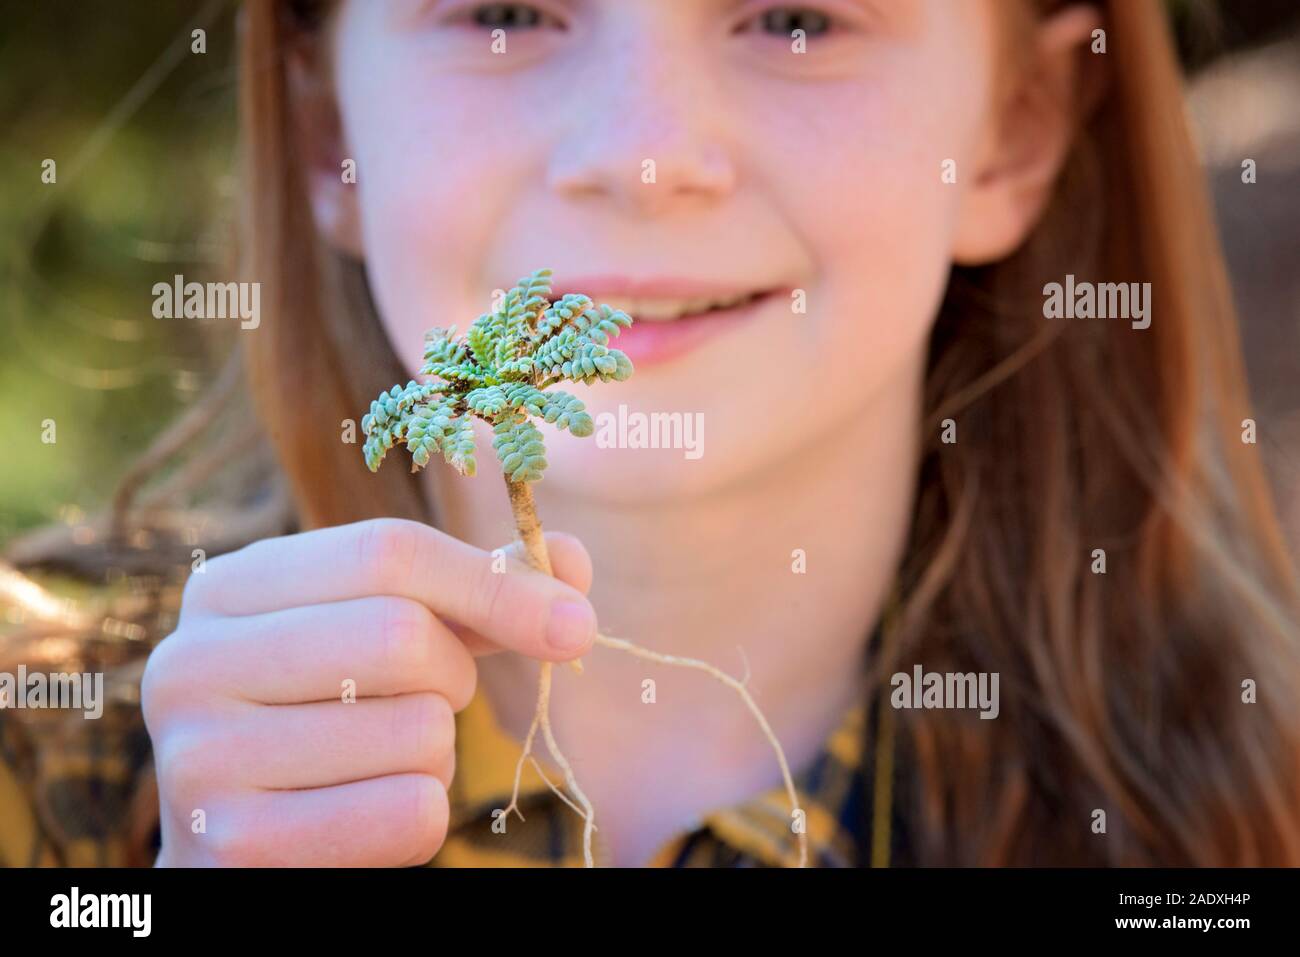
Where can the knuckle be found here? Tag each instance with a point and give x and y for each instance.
(192, 595)
(202, 589)
(154, 676)
(386, 548)
(489, 592)
(163, 677)
(404, 638)
(183, 763)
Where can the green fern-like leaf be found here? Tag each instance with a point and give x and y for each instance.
(458, 446)
(520, 448)
(501, 371)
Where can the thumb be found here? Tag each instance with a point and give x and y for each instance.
(569, 558)
(569, 561)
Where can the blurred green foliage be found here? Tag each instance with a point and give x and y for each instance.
(132, 205)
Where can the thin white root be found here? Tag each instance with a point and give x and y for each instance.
(588, 812)
(632, 649)
(558, 793)
(542, 719)
(519, 767)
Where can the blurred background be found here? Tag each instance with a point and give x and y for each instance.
(142, 131)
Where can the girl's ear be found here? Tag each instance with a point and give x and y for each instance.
(1029, 136)
(319, 141)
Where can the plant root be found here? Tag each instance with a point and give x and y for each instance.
(739, 687)
(530, 534)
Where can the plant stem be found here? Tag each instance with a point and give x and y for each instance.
(529, 527)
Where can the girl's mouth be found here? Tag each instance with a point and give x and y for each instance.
(667, 326)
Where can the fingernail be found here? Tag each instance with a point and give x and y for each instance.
(572, 625)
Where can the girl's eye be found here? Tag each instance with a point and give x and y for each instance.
(509, 16)
(783, 21)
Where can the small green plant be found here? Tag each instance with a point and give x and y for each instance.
(503, 371)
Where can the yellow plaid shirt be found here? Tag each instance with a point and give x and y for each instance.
(72, 807)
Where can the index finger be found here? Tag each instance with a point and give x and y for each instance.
(523, 611)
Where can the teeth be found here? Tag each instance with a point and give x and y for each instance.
(666, 310)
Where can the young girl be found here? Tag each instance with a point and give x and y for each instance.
(837, 224)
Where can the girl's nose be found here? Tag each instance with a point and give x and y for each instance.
(649, 137)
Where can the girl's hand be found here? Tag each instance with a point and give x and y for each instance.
(262, 762)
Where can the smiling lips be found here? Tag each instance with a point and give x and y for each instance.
(671, 317)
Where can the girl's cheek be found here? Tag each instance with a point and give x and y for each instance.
(862, 182)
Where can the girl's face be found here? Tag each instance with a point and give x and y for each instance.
(654, 152)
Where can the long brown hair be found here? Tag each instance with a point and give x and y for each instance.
(1126, 691)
